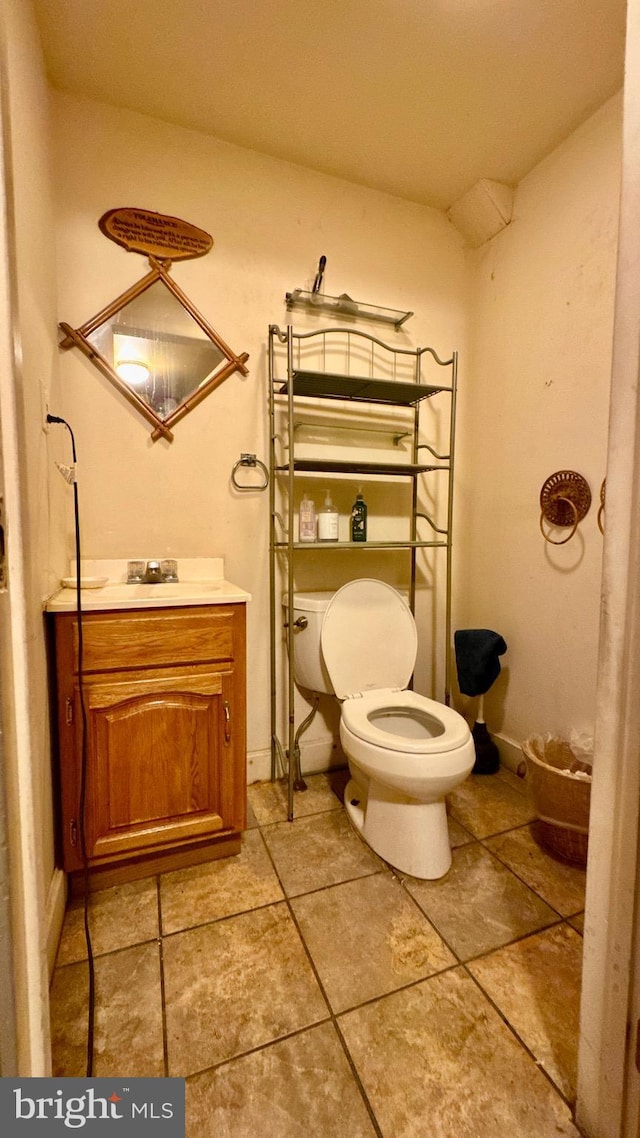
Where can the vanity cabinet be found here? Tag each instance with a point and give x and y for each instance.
(158, 726)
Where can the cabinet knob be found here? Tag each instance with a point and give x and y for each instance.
(227, 723)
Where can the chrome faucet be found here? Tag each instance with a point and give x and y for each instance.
(152, 573)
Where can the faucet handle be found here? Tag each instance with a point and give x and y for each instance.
(169, 569)
(135, 572)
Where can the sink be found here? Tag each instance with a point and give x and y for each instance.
(165, 594)
(165, 589)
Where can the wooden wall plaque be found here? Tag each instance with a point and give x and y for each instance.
(155, 234)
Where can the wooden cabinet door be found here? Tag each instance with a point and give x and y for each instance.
(158, 749)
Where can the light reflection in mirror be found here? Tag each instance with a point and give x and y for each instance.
(155, 346)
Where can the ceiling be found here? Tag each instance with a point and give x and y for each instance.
(417, 98)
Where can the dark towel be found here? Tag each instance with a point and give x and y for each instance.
(477, 651)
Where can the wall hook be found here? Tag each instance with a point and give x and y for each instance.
(565, 499)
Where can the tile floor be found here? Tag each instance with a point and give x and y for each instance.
(305, 988)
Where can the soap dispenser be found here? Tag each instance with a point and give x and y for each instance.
(328, 521)
(359, 518)
(307, 520)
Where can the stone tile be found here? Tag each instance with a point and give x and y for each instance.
(118, 917)
(128, 1016)
(366, 938)
(219, 888)
(252, 821)
(458, 836)
(310, 853)
(480, 904)
(558, 883)
(269, 800)
(436, 1059)
(577, 922)
(487, 805)
(536, 985)
(235, 985)
(300, 1086)
(514, 780)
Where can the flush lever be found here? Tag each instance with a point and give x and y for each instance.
(301, 622)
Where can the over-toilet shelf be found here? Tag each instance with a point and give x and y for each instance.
(341, 466)
(361, 546)
(362, 389)
(344, 306)
(322, 385)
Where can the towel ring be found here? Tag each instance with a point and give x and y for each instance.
(576, 522)
(251, 461)
(565, 499)
(601, 509)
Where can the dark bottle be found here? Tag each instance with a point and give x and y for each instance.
(359, 519)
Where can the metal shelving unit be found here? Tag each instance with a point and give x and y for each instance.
(328, 373)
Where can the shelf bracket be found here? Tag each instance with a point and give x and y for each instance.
(283, 526)
(441, 457)
(431, 522)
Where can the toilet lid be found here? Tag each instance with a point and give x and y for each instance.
(368, 638)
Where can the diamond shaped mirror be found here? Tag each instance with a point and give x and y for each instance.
(153, 345)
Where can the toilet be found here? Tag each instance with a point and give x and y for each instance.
(405, 751)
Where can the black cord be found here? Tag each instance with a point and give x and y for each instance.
(83, 764)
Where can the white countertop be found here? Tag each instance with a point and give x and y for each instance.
(201, 582)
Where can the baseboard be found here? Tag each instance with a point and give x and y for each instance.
(324, 754)
(315, 756)
(55, 910)
(511, 755)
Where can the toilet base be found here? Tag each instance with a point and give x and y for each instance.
(412, 836)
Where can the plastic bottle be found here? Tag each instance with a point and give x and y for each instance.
(359, 518)
(307, 520)
(328, 521)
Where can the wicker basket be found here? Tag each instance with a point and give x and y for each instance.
(561, 790)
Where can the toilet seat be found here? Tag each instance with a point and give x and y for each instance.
(356, 717)
(369, 638)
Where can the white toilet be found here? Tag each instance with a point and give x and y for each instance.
(405, 751)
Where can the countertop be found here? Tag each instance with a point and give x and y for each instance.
(201, 582)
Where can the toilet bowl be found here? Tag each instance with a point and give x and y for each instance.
(405, 751)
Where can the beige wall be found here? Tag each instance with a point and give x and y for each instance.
(543, 298)
(271, 222)
(33, 511)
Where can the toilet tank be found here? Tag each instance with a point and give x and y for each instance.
(309, 668)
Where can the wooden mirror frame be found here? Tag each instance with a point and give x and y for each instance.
(78, 337)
